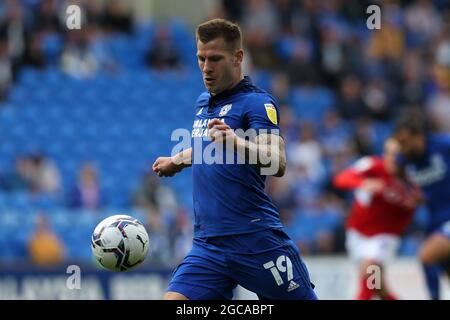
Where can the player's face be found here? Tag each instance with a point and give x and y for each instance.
(219, 66)
(391, 151)
(411, 145)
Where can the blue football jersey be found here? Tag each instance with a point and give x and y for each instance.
(432, 174)
(229, 198)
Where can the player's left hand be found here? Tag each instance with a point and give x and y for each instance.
(219, 131)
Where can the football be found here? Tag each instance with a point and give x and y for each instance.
(120, 243)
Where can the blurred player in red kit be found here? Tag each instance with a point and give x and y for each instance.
(383, 207)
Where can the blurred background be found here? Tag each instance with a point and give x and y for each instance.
(84, 113)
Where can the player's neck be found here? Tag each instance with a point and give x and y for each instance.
(236, 82)
(232, 84)
(422, 145)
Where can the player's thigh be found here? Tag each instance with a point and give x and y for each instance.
(435, 249)
(203, 275)
(276, 274)
(378, 248)
(383, 247)
(355, 245)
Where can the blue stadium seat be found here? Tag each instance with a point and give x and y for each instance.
(312, 103)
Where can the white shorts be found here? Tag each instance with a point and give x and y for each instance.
(380, 247)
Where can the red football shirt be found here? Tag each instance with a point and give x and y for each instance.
(388, 211)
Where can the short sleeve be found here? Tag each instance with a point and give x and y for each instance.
(368, 165)
(262, 113)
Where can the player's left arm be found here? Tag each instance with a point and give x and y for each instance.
(267, 151)
(263, 116)
(264, 145)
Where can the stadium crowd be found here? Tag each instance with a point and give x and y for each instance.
(340, 87)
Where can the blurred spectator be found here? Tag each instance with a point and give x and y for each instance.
(117, 17)
(331, 53)
(438, 105)
(355, 60)
(364, 136)
(280, 88)
(233, 9)
(261, 26)
(146, 194)
(6, 69)
(86, 52)
(306, 189)
(151, 194)
(307, 153)
(94, 12)
(342, 159)
(44, 175)
(21, 179)
(77, 58)
(285, 10)
(324, 242)
(163, 53)
(33, 55)
(330, 214)
(443, 47)
(86, 193)
(413, 84)
(334, 134)
(376, 98)
(282, 193)
(288, 124)
(97, 49)
(46, 18)
(13, 28)
(180, 235)
(351, 105)
(44, 246)
(422, 22)
(161, 255)
(387, 43)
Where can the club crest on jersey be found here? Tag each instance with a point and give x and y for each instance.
(225, 109)
(271, 112)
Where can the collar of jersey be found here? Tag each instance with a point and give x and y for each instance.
(246, 82)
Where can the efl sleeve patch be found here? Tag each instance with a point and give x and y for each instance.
(271, 113)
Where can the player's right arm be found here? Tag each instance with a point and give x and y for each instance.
(356, 177)
(169, 166)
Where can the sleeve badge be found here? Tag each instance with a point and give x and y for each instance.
(271, 113)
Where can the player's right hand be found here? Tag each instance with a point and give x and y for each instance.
(373, 185)
(165, 167)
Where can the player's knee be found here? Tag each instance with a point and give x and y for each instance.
(174, 296)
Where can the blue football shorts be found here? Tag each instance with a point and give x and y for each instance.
(267, 263)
